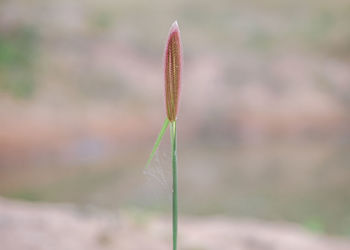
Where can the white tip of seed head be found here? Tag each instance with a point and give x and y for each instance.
(174, 27)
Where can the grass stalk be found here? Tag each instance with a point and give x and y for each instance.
(174, 172)
(172, 77)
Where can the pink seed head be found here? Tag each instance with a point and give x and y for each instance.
(172, 70)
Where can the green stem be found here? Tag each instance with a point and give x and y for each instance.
(174, 168)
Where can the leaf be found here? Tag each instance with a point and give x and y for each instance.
(159, 138)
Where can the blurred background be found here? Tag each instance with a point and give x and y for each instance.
(264, 124)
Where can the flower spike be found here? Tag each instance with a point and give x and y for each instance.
(172, 70)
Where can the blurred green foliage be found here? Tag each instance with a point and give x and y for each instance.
(17, 55)
(315, 225)
(27, 195)
(102, 20)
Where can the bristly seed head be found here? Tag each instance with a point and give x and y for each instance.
(173, 64)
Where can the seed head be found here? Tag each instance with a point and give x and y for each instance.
(173, 64)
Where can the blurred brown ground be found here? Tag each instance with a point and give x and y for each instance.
(64, 227)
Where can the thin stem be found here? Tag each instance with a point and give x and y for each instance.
(174, 168)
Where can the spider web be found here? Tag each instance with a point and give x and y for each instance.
(158, 172)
